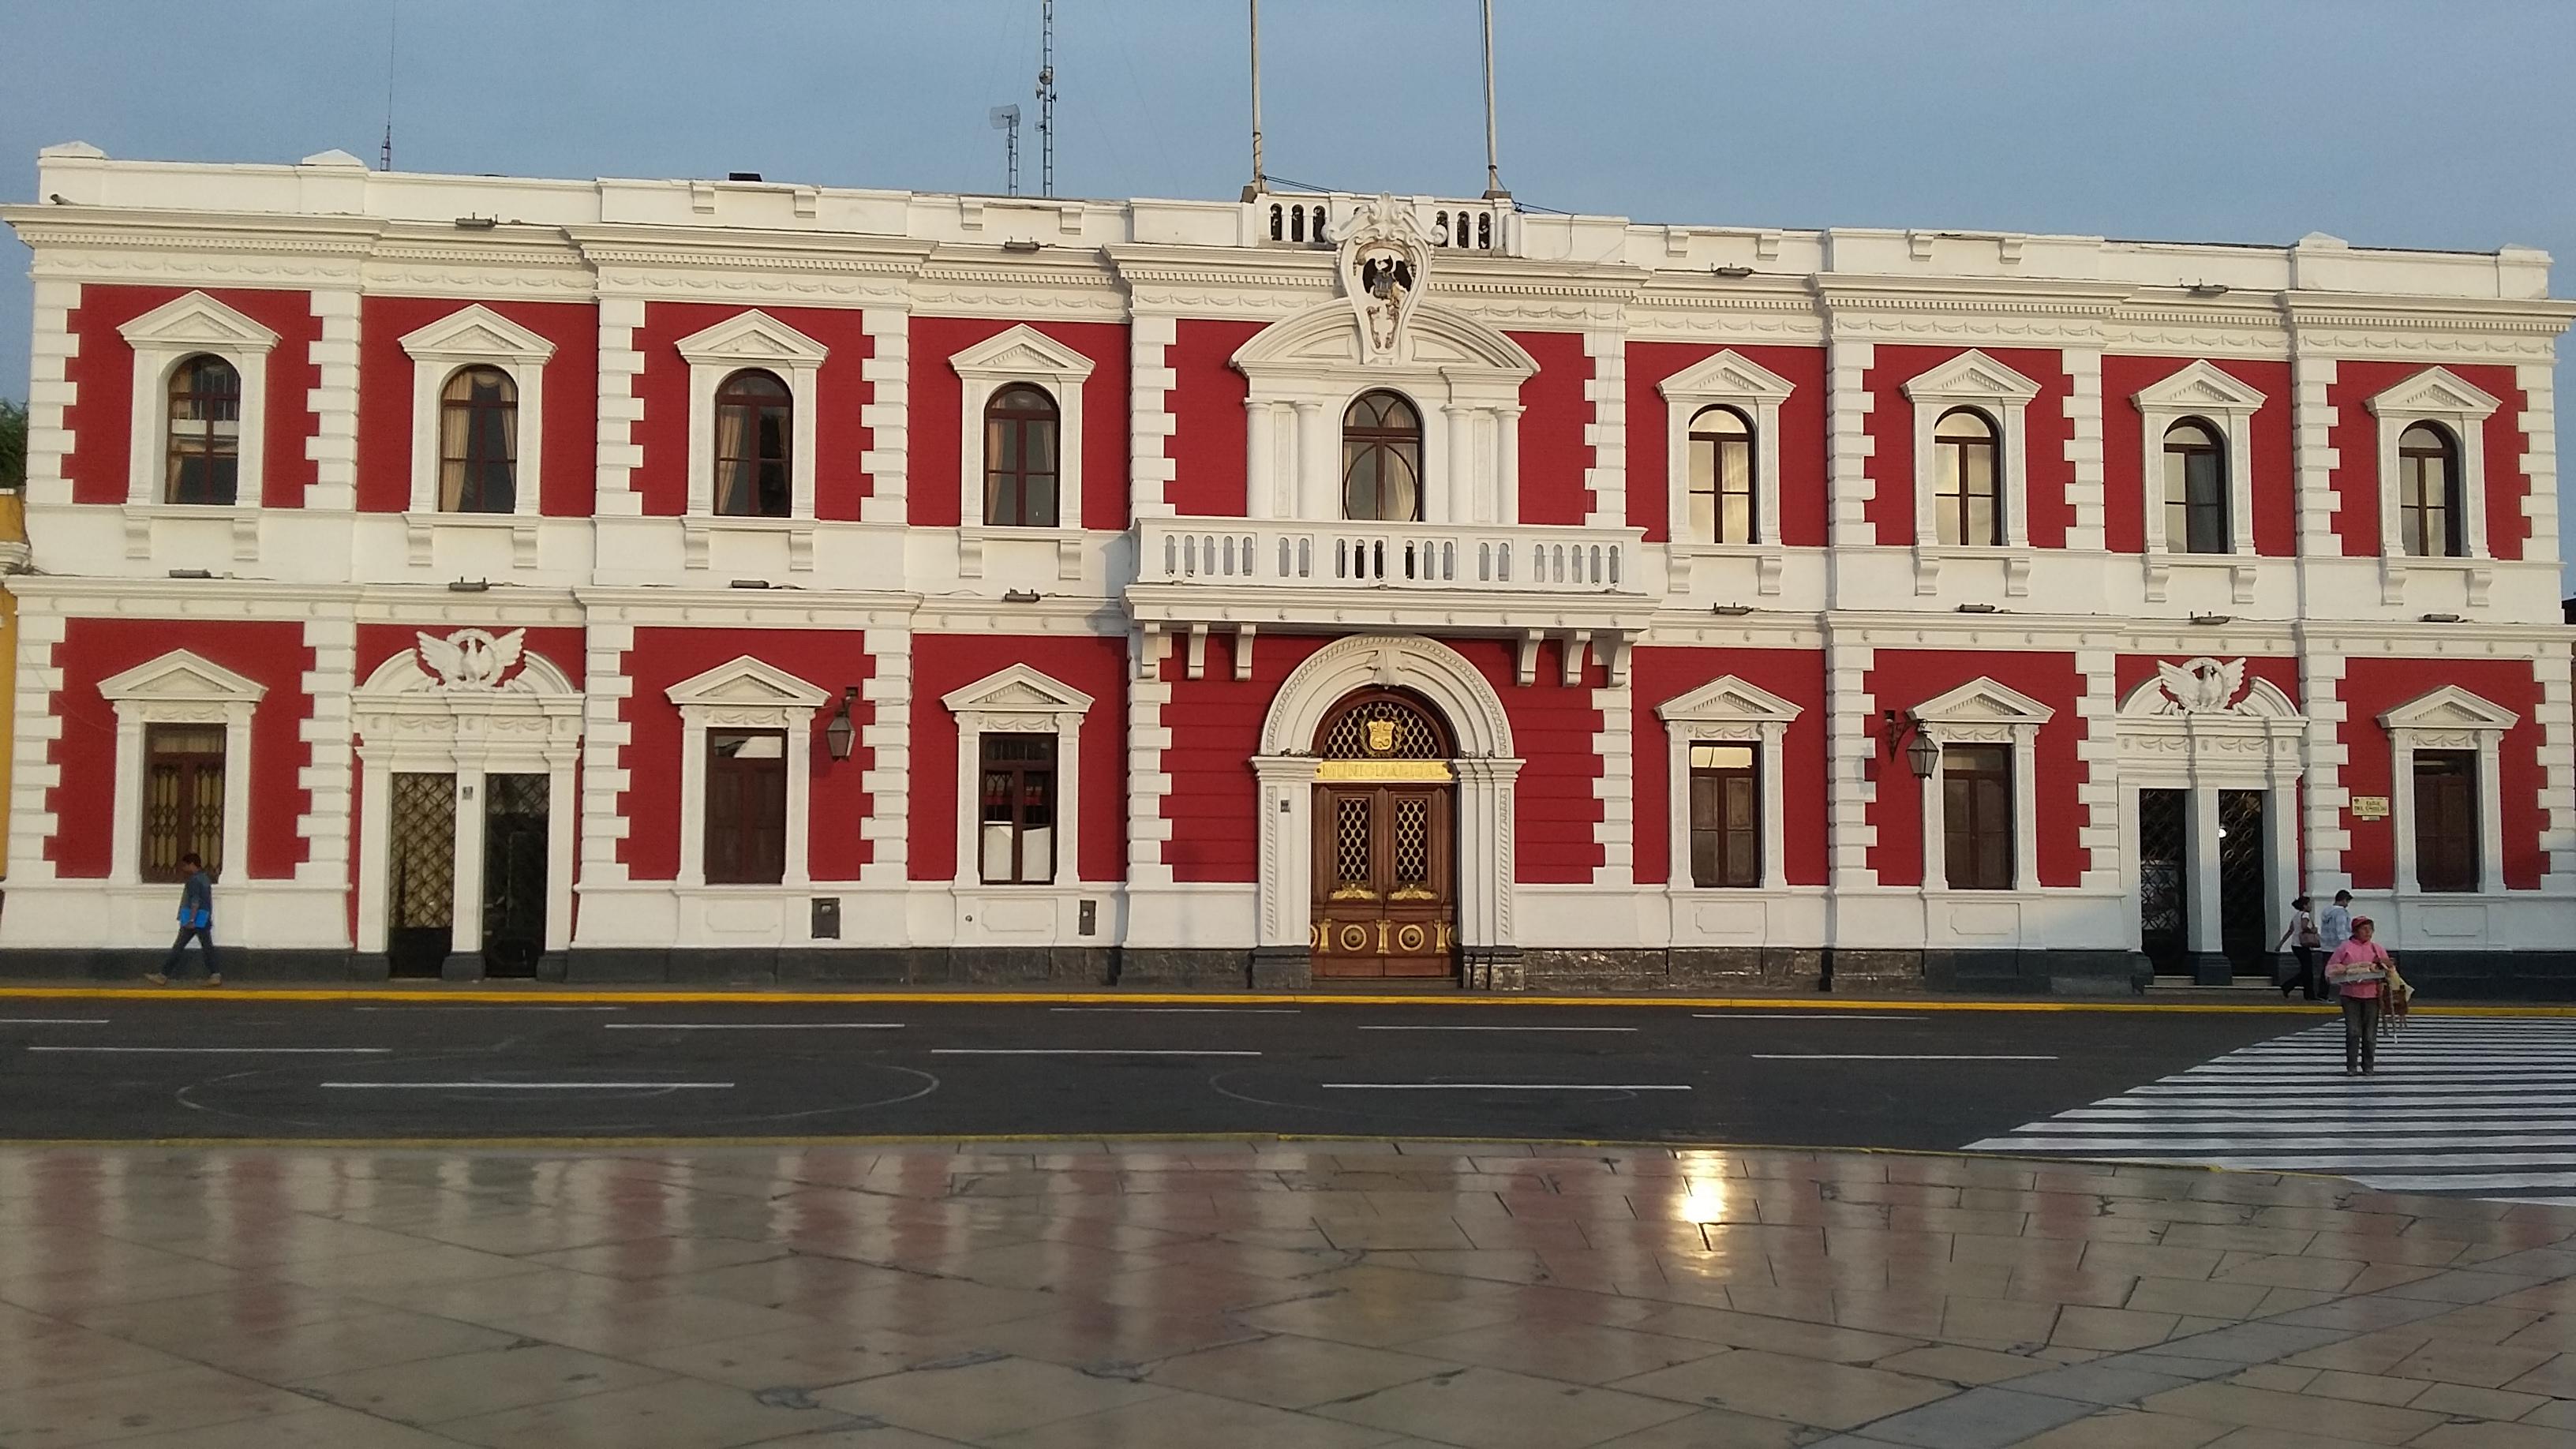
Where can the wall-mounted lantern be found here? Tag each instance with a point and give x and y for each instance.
(840, 734)
(1922, 752)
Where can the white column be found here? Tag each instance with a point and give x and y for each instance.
(466, 933)
(561, 810)
(334, 402)
(1288, 847)
(1615, 788)
(375, 837)
(1147, 738)
(888, 738)
(1852, 742)
(1849, 480)
(2084, 447)
(1507, 484)
(49, 391)
(2320, 674)
(2557, 717)
(32, 774)
(2313, 456)
(1486, 820)
(1149, 415)
(2099, 753)
(1453, 498)
(1260, 450)
(2280, 853)
(619, 408)
(2539, 424)
(1607, 389)
(887, 414)
(604, 779)
(328, 734)
(2200, 870)
(1318, 471)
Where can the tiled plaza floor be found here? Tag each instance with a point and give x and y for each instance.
(1249, 1295)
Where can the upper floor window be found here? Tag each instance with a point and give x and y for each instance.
(1721, 477)
(1977, 816)
(1381, 459)
(2429, 511)
(205, 432)
(2195, 489)
(1967, 476)
(478, 442)
(1021, 439)
(755, 422)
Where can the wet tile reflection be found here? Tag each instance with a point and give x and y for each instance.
(1189, 1293)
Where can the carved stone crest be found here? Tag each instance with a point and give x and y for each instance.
(471, 658)
(1385, 261)
(2203, 686)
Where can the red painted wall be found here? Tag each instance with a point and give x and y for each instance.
(2355, 435)
(2373, 686)
(568, 472)
(1804, 510)
(1797, 676)
(1554, 454)
(1208, 438)
(102, 372)
(2126, 490)
(840, 391)
(1903, 678)
(1216, 730)
(830, 660)
(84, 803)
(943, 663)
(937, 397)
(2045, 429)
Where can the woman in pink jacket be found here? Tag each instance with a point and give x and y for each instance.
(2359, 970)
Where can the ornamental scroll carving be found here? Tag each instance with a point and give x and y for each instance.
(1385, 261)
(2202, 686)
(471, 659)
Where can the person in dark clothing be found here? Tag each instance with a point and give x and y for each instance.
(2302, 938)
(196, 918)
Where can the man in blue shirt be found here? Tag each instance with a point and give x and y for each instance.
(196, 918)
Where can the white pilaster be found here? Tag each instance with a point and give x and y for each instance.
(1149, 416)
(1507, 444)
(2539, 423)
(329, 777)
(2557, 717)
(1319, 477)
(1848, 479)
(1851, 744)
(32, 777)
(2313, 458)
(1607, 391)
(605, 687)
(887, 414)
(2320, 675)
(888, 737)
(1615, 788)
(1147, 738)
(2084, 447)
(50, 390)
(619, 408)
(2099, 751)
(334, 401)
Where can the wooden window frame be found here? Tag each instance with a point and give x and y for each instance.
(1727, 871)
(1950, 506)
(2415, 510)
(2213, 504)
(1716, 446)
(1017, 803)
(1361, 442)
(1006, 487)
(1972, 825)
(471, 470)
(758, 851)
(2448, 854)
(733, 396)
(196, 438)
(189, 830)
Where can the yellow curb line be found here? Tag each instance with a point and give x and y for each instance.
(865, 998)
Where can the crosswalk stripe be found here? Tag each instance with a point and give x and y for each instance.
(2487, 1109)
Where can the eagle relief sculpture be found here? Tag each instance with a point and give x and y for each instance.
(1385, 258)
(2203, 686)
(471, 658)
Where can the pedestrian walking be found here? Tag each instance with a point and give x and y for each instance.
(2334, 927)
(197, 919)
(2303, 939)
(2360, 969)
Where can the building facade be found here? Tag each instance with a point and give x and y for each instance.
(675, 580)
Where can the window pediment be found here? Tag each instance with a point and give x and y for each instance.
(2201, 387)
(1984, 702)
(2436, 392)
(1327, 337)
(198, 321)
(476, 333)
(2449, 708)
(1019, 690)
(1727, 699)
(747, 683)
(1022, 351)
(1971, 376)
(182, 676)
(1727, 377)
(753, 337)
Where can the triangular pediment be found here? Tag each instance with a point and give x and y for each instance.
(1328, 334)
(1727, 698)
(197, 320)
(753, 337)
(2436, 391)
(477, 332)
(2449, 708)
(1021, 351)
(747, 682)
(1971, 376)
(1018, 689)
(1983, 701)
(2200, 387)
(1728, 376)
(181, 675)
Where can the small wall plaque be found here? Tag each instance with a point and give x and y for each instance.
(2369, 807)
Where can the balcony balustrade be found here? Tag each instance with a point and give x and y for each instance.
(1292, 570)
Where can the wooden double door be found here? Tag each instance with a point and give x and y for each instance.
(1386, 897)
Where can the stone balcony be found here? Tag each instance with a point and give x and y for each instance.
(1480, 578)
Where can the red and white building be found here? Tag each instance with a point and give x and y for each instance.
(688, 579)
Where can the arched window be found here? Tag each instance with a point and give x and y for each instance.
(1381, 459)
(1721, 477)
(755, 418)
(478, 442)
(1020, 463)
(2195, 489)
(205, 433)
(1967, 479)
(2429, 507)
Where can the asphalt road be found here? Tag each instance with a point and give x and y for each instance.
(137, 1069)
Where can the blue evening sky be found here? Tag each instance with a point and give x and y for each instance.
(2443, 124)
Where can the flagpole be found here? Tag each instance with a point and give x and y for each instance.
(1493, 171)
(1258, 181)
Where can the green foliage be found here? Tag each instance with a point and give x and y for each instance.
(13, 445)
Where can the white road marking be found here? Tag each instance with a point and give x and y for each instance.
(1498, 1027)
(262, 1051)
(1503, 1086)
(1800, 1016)
(752, 1025)
(53, 1021)
(480, 1006)
(1892, 1057)
(1083, 1052)
(1180, 1010)
(525, 1086)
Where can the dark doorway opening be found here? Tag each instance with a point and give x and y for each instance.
(2164, 892)
(514, 874)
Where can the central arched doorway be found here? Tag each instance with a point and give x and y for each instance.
(1386, 820)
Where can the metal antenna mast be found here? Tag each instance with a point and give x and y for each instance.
(1254, 189)
(1493, 173)
(393, 32)
(1006, 119)
(1046, 97)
